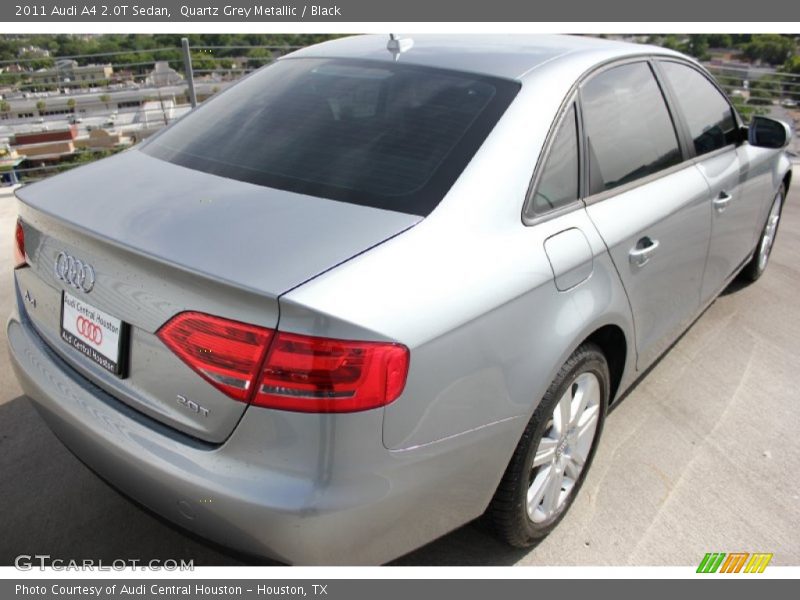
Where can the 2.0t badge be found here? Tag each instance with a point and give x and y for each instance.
(76, 273)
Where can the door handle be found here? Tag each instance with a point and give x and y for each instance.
(640, 254)
(721, 201)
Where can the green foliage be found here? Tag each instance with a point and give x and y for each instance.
(698, 46)
(85, 155)
(764, 90)
(747, 111)
(41, 105)
(792, 66)
(719, 40)
(770, 48)
(146, 48)
(258, 57)
(5, 107)
(203, 61)
(138, 52)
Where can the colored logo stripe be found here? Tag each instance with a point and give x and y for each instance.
(734, 562)
(758, 562)
(711, 562)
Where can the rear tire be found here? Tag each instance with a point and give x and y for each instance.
(552, 458)
(758, 264)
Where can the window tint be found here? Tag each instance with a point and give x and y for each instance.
(629, 131)
(707, 113)
(391, 136)
(558, 185)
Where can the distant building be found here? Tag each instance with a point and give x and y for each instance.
(68, 72)
(13, 68)
(124, 76)
(101, 139)
(45, 144)
(33, 52)
(163, 75)
(25, 138)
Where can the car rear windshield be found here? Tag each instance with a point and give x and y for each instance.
(386, 135)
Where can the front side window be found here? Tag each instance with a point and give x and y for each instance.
(379, 134)
(629, 131)
(558, 184)
(706, 111)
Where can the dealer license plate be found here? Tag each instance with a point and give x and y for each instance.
(94, 333)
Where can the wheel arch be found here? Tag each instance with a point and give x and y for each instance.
(613, 344)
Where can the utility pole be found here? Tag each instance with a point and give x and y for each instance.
(187, 67)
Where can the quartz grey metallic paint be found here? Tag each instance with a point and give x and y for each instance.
(490, 304)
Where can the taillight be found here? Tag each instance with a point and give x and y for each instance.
(227, 354)
(293, 372)
(20, 259)
(311, 374)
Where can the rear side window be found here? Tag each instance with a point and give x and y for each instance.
(706, 111)
(558, 185)
(629, 132)
(386, 135)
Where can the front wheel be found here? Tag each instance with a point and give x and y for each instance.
(758, 264)
(555, 452)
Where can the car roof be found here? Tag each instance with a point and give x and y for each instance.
(508, 56)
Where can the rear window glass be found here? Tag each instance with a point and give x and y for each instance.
(390, 136)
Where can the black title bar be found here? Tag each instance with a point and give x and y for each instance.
(184, 11)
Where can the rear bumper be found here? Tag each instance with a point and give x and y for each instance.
(300, 488)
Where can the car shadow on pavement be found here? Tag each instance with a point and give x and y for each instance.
(52, 504)
(470, 545)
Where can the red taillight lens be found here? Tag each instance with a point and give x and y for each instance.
(228, 354)
(298, 373)
(19, 246)
(311, 374)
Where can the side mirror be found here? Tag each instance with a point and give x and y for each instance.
(768, 133)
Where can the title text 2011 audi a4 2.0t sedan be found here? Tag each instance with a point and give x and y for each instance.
(382, 287)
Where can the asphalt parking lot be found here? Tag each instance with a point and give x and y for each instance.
(702, 455)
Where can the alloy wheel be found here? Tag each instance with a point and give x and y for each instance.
(564, 448)
(768, 237)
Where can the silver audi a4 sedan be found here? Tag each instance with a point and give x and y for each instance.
(382, 287)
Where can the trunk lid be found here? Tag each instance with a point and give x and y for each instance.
(162, 239)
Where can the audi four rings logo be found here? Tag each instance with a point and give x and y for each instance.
(89, 330)
(76, 273)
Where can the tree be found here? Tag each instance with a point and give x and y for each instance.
(258, 57)
(770, 48)
(719, 40)
(792, 66)
(698, 46)
(40, 106)
(203, 61)
(105, 99)
(71, 104)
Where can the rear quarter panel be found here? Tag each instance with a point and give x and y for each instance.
(471, 292)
